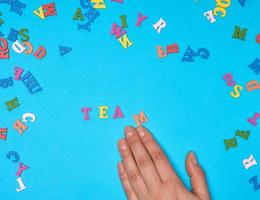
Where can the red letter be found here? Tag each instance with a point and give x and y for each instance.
(49, 9)
(4, 51)
(3, 136)
(174, 48)
(40, 53)
(258, 38)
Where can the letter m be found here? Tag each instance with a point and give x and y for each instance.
(140, 119)
(239, 34)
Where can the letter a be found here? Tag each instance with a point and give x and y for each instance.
(39, 12)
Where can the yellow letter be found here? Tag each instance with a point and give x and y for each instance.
(125, 41)
(39, 12)
(236, 92)
(99, 4)
(103, 112)
(220, 9)
(223, 5)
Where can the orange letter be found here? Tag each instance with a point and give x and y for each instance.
(140, 119)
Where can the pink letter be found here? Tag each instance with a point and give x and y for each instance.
(86, 110)
(117, 30)
(21, 169)
(17, 73)
(140, 19)
(118, 113)
(253, 121)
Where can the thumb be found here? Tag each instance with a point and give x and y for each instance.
(197, 177)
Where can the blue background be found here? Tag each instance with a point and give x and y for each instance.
(188, 104)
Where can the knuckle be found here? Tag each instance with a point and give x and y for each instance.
(146, 139)
(126, 154)
(168, 183)
(134, 176)
(157, 156)
(172, 184)
(143, 162)
(201, 173)
(133, 140)
(123, 176)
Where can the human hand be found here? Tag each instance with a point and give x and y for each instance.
(146, 173)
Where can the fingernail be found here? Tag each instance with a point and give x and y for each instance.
(193, 158)
(123, 149)
(122, 145)
(142, 133)
(128, 132)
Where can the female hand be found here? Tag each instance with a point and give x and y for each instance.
(146, 173)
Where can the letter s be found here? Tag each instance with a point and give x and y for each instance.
(236, 93)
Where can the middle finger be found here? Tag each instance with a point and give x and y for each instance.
(143, 160)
